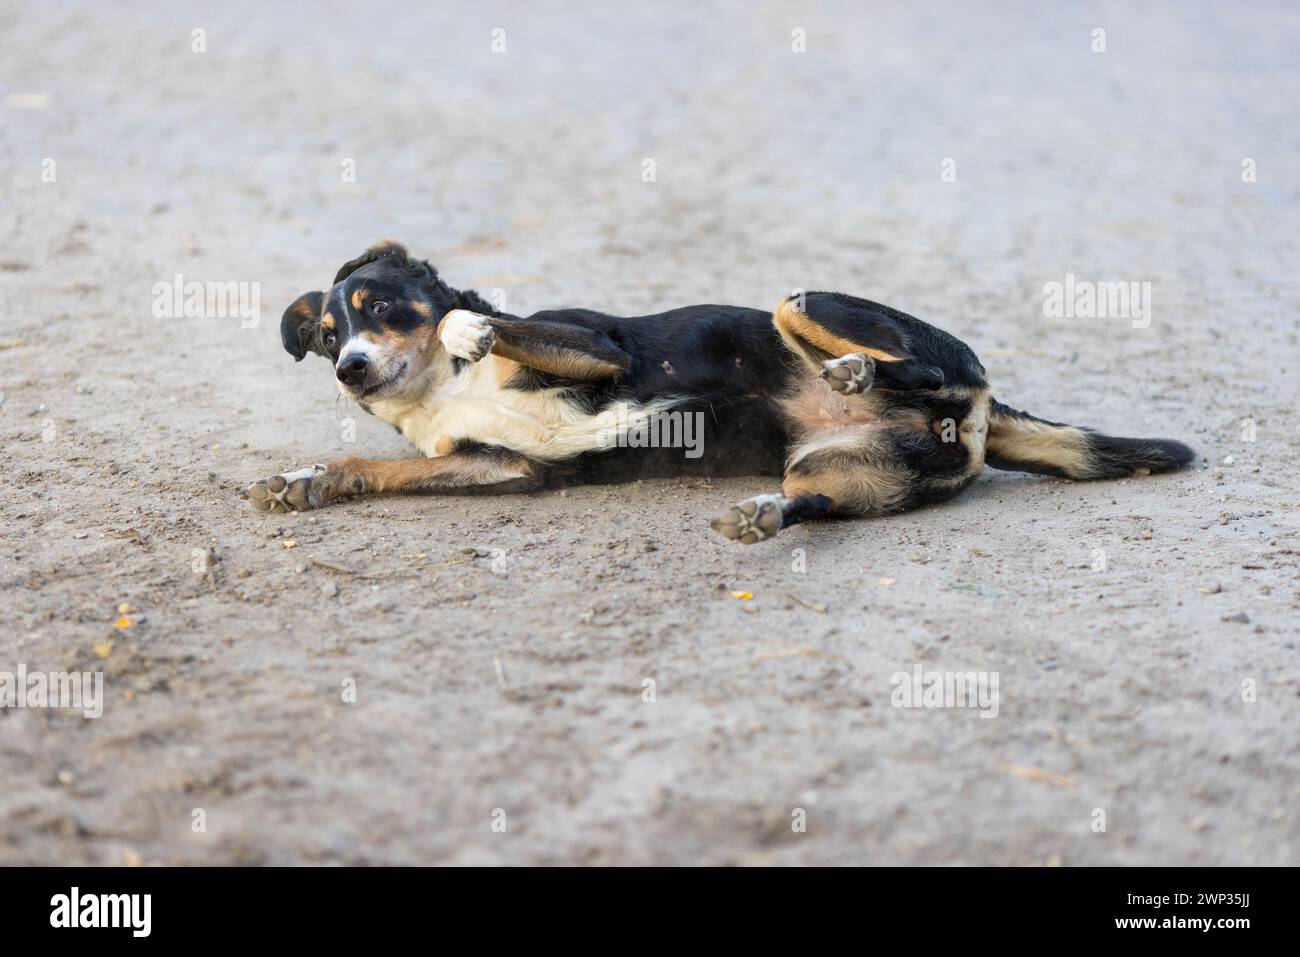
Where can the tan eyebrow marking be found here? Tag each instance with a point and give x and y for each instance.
(360, 296)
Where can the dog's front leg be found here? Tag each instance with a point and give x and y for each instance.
(488, 469)
(558, 348)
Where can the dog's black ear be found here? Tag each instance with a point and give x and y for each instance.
(299, 324)
(378, 251)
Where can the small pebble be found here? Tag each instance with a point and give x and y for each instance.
(1240, 618)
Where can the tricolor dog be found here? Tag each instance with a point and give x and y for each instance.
(860, 409)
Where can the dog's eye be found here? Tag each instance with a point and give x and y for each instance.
(330, 339)
(379, 307)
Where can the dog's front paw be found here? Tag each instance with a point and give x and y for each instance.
(288, 491)
(467, 335)
(750, 521)
(851, 374)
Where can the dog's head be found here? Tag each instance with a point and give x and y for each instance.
(378, 324)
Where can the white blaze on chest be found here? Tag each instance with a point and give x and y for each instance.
(538, 423)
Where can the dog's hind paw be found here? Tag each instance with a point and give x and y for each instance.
(851, 374)
(753, 520)
(286, 492)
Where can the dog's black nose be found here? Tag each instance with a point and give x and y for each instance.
(352, 370)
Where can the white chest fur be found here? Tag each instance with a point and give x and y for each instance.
(539, 423)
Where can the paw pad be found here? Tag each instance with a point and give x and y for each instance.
(286, 492)
(753, 520)
(850, 375)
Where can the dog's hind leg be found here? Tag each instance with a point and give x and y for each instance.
(823, 485)
(484, 469)
(851, 343)
(762, 516)
(868, 471)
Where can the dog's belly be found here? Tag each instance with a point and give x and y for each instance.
(691, 439)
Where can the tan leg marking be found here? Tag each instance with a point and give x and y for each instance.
(799, 332)
(557, 360)
(320, 485)
(856, 489)
(446, 471)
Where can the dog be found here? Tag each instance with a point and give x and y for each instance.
(859, 408)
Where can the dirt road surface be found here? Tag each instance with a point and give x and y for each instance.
(465, 680)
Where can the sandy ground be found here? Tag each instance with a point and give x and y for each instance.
(499, 647)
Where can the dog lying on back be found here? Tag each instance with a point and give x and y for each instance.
(860, 408)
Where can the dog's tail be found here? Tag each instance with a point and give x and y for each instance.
(1020, 442)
